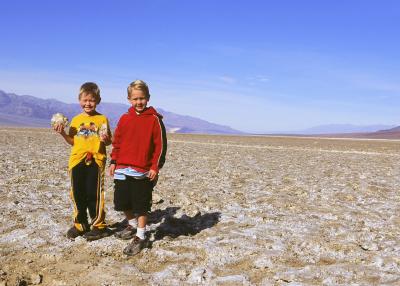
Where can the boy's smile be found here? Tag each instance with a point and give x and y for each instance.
(138, 100)
(88, 103)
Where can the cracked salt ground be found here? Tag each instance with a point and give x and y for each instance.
(227, 211)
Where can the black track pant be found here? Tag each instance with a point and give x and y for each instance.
(87, 184)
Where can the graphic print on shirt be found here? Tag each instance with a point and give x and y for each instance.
(86, 130)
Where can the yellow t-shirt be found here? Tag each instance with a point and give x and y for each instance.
(86, 130)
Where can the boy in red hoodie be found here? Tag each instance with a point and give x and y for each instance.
(139, 149)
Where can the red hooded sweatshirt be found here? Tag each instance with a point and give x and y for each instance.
(140, 141)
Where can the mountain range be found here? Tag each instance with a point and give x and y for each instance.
(343, 128)
(346, 131)
(30, 111)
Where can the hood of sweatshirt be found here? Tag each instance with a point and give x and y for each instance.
(148, 111)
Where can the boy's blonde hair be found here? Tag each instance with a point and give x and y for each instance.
(139, 85)
(92, 89)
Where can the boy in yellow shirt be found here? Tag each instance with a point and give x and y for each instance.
(89, 134)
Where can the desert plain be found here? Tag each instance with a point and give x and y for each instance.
(227, 210)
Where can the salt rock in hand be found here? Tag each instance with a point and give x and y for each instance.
(59, 119)
(103, 130)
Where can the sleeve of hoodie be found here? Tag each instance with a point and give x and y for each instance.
(116, 142)
(160, 145)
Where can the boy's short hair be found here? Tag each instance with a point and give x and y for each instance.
(139, 85)
(92, 89)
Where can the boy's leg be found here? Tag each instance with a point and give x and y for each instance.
(95, 195)
(78, 197)
(142, 222)
(139, 241)
(129, 215)
(122, 202)
(129, 231)
(141, 202)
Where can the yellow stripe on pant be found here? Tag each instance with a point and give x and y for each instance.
(98, 221)
(87, 193)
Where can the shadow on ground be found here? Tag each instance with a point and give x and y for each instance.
(173, 227)
(154, 218)
(158, 215)
(185, 225)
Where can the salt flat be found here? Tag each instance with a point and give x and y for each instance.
(227, 211)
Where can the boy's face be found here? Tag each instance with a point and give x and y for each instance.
(138, 100)
(88, 103)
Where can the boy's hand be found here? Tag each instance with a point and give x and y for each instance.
(112, 170)
(104, 138)
(152, 175)
(59, 128)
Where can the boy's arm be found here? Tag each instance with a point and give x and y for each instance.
(59, 128)
(160, 145)
(106, 138)
(116, 143)
(109, 134)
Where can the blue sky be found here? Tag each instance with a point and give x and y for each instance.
(256, 66)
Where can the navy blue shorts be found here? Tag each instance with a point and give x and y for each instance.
(133, 195)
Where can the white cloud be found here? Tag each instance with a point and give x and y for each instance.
(227, 79)
(262, 78)
(257, 79)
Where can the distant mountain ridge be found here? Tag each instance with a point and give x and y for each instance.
(391, 133)
(343, 128)
(30, 111)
